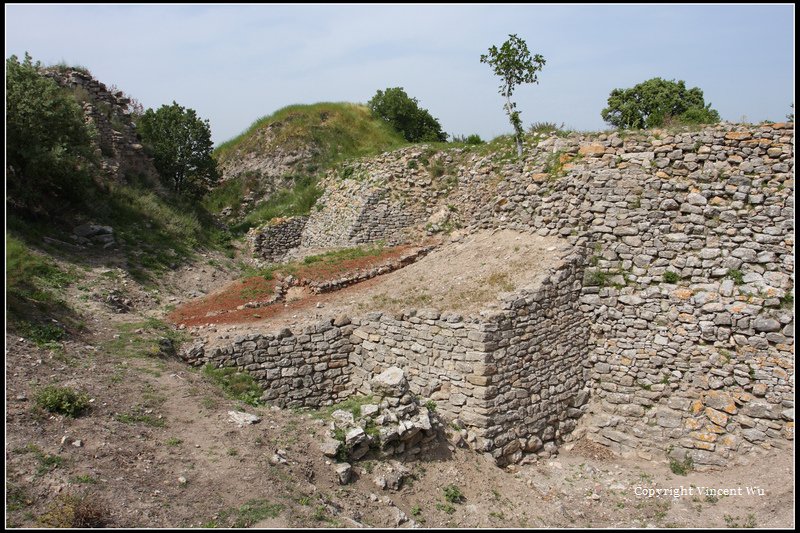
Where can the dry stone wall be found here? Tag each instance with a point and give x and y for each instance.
(692, 238)
(272, 241)
(306, 369)
(119, 148)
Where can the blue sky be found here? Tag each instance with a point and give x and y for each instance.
(234, 64)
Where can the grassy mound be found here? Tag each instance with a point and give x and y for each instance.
(335, 131)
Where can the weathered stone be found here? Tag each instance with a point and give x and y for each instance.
(344, 471)
(242, 418)
(391, 382)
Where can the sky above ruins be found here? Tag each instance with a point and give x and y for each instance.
(234, 64)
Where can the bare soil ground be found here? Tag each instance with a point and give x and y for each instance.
(463, 276)
(157, 449)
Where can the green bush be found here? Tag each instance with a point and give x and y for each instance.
(62, 400)
(453, 494)
(181, 146)
(48, 145)
(671, 277)
(404, 114)
(657, 102)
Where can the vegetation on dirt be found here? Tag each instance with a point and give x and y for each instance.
(62, 400)
(336, 131)
(236, 385)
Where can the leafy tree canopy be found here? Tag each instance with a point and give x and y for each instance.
(47, 142)
(656, 102)
(404, 114)
(514, 65)
(181, 145)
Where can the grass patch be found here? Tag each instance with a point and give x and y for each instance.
(446, 507)
(34, 285)
(85, 479)
(352, 405)
(246, 515)
(295, 201)
(236, 385)
(737, 276)
(500, 280)
(46, 462)
(151, 342)
(681, 468)
(347, 254)
(74, 511)
(140, 417)
(62, 400)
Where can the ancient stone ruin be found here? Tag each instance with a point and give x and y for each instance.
(664, 323)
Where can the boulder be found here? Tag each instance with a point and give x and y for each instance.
(391, 382)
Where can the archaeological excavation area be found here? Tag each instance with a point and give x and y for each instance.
(641, 298)
(498, 342)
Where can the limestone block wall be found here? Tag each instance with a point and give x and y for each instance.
(274, 240)
(307, 369)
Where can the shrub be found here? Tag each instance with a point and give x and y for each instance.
(671, 277)
(48, 145)
(453, 494)
(181, 145)
(62, 400)
(404, 114)
(655, 102)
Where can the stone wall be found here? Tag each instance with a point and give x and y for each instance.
(118, 145)
(272, 241)
(692, 240)
(307, 369)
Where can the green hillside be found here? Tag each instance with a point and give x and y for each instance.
(335, 131)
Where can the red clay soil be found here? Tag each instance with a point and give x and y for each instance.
(221, 307)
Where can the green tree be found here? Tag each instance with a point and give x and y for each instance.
(404, 114)
(656, 102)
(48, 145)
(513, 63)
(181, 147)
